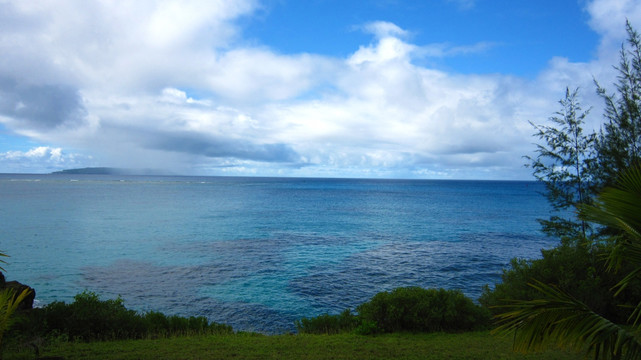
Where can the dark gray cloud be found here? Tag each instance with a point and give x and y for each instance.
(42, 107)
(472, 146)
(220, 147)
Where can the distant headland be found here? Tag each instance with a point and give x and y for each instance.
(109, 171)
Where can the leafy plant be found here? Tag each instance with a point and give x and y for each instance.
(328, 324)
(9, 302)
(423, 310)
(411, 309)
(88, 318)
(558, 317)
(578, 270)
(8, 305)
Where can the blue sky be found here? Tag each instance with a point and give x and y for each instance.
(521, 36)
(384, 89)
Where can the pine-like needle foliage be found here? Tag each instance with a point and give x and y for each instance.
(565, 162)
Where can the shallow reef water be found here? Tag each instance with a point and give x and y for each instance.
(259, 253)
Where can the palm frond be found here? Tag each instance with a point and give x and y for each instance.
(8, 305)
(2, 254)
(635, 317)
(619, 207)
(560, 319)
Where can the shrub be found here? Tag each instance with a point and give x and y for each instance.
(328, 324)
(88, 319)
(404, 309)
(577, 270)
(422, 310)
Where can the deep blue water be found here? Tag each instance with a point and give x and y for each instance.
(258, 253)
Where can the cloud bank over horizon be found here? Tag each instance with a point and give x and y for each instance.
(183, 86)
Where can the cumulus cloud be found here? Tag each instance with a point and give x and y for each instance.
(255, 75)
(608, 16)
(32, 161)
(384, 29)
(170, 84)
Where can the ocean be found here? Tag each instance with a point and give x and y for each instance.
(259, 253)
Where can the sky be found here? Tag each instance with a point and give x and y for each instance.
(436, 89)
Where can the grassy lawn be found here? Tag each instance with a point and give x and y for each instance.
(476, 345)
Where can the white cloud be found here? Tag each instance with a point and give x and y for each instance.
(164, 84)
(176, 96)
(384, 29)
(115, 45)
(256, 75)
(387, 49)
(607, 18)
(39, 159)
(175, 23)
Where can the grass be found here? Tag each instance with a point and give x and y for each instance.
(474, 345)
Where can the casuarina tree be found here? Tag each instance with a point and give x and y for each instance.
(619, 143)
(565, 162)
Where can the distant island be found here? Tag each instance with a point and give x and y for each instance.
(109, 171)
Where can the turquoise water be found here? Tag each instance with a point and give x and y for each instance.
(257, 253)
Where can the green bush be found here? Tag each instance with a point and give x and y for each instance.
(328, 324)
(422, 310)
(88, 318)
(576, 269)
(404, 309)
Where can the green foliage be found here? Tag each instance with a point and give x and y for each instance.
(9, 302)
(88, 319)
(578, 270)
(328, 324)
(575, 166)
(619, 144)
(422, 310)
(566, 163)
(620, 208)
(576, 312)
(559, 317)
(412, 309)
